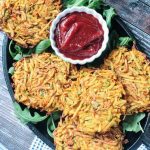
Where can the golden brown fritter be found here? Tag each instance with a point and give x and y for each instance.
(92, 97)
(133, 70)
(40, 80)
(94, 100)
(28, 21)
(68, 137)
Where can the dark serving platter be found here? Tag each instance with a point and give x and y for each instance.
(135, 140)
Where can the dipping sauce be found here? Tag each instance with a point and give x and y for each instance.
(79, 35)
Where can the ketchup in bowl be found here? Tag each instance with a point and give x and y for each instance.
(79, 35)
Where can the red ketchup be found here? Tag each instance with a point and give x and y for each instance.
(79, 35)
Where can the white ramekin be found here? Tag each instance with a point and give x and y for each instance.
(88, 11)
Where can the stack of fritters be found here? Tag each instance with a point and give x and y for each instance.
(40, 80)
(133, 71)
(94, 100)
(28, 21)
(91, 99)
(46, 82)
(68, 137)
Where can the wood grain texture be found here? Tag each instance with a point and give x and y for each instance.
(147, 2)
(142, 38)
(13, 135)
(135, 12)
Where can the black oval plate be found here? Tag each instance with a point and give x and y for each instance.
(135, 140)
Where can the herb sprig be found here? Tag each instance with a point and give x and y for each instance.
(132, 123)
(25, 115)
(52, 122)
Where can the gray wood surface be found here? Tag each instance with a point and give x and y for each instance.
(14, 135)
(147, 2)
(135, 12)
(136, 15)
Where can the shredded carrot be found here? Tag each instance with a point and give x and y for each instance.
(133, 71)
(72, 139)
(39, 81)
(95, 100)
(28, 21)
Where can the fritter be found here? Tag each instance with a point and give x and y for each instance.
(28, 21)
(68, 137)
(133, 70)
(94, 100)
(39, 81)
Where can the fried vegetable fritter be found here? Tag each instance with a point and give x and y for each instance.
(68, 137)
(93, 97)
(133, 70)
(28, 21)
(40, 80)
(94, 100)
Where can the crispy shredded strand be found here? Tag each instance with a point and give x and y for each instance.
(95, 100)
(28, 21)
(133, 70)
(40, 80)
(68, 137)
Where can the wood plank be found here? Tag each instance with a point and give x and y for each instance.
(147, 2)
(133, 11)
(142, 39)
(13, 134)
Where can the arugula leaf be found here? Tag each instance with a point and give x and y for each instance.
(71, 3)
(25, 115)
(51, 126)
(11, 70)
(112, 40)
(42, 46)
(18, 57)
(124, 41)
(95, 4)
(132, 123)
(18, 49)
(56, 115)
(109, 14)
(13, 54)
(16, 53)
(30, 52)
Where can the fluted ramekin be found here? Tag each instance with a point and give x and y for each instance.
(88, 11)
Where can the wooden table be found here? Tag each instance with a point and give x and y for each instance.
(14, 135)
(136, 15)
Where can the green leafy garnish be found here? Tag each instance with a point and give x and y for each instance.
(109, 14)
(71, 3)
(18, 49)
(124, 41)
(18, 57)
(56, 115)
(95, 4)
(11, 70)
(42, 46)
(112, 43)
(51, 123)
(25, 115)
(16, 53)
(12, 53)
(132, 123)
